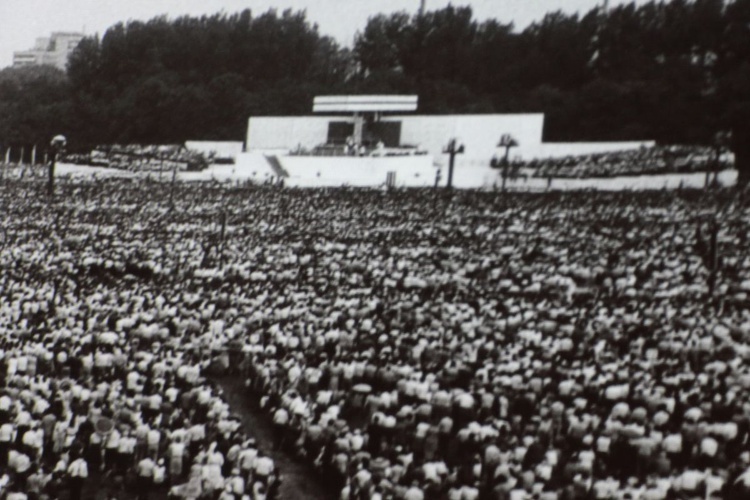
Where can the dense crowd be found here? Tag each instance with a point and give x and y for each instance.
(143, 158)
(546, 347)
(102, 367)
(642, 161)
(349, 147)
(409, 344)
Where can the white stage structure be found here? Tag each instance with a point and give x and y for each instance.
(372, 119)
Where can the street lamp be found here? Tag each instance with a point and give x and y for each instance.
(57, 146)
(507, 141)
(452, 149)
(721, 143)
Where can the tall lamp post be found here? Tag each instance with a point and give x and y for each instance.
(57, 146)
(721, 143)
(452, 149)
(506, 141)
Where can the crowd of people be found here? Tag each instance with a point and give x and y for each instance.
(371, 148)
(406, 344)
(102, 369)
(140, 158)
(642, 161)
(527, 347)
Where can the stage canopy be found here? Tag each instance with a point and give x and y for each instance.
(364, 103)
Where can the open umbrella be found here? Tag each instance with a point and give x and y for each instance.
(104, 426)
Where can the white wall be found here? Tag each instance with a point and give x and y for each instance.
(469, 176)
(287, 132)
(478, 133)
(253, 166)
(313, 171)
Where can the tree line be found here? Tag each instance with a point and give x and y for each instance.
(674, 71)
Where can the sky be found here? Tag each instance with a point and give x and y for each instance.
(22, 21)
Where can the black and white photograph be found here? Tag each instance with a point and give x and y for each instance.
(374, 250)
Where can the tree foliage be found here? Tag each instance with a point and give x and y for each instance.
(171, 80)
(34, 105)
(672, 71)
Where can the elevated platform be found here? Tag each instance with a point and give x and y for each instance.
(336, 171)
(320, 171)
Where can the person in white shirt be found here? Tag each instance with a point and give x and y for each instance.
(126, 451)
(36, 441)
(111, 447)
(259, 491)
(176, 454)
(7, 433)
(23, 423)
(145, 477)
(213, 468)
(153, 440)
(280, 422)
(160, 472)
(197, 435)
(226, 493)
(5, 406)
(414, 492)
(246, 459)
(263, 468)
(689, 481)
(236, 483)
(78, 472)
(20, 464)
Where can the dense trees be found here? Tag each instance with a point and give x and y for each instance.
(171, 80)
(674, 71)
(34, 105)
(655, 71)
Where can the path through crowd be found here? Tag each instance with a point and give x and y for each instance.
(299, 479)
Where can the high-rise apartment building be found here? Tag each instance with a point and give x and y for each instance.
(53, 50)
